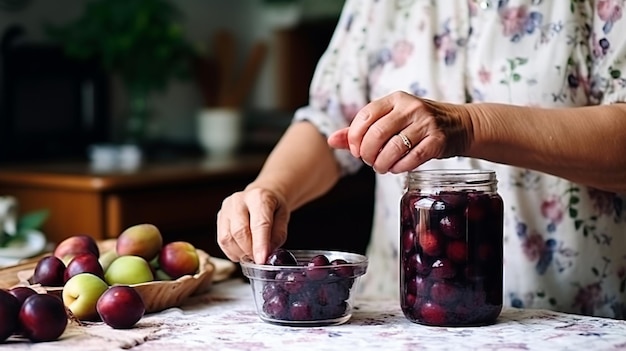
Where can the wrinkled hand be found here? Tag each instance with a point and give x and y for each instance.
(252, 222)
(432, 130)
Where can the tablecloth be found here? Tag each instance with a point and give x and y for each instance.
(225, 319)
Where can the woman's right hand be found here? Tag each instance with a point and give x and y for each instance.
(252, 222)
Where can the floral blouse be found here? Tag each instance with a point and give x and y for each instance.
(565, 243)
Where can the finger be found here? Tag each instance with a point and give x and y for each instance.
(429, 148)
(279, 229)
(339, 139)
(381, 133)
(261, 223)
(364, 119)
(394, 150)
(225, 240)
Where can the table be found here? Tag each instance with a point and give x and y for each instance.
(224, 319)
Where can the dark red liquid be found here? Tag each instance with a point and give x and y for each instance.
(451, 258)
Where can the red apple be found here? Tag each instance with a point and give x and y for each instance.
(120, 307)
(42, 318)
(76, 244)
(179, 258)
(84, 263)
(49, 271)
(9, 309)
(143, 240)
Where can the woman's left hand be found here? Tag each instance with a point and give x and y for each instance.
(399, 132)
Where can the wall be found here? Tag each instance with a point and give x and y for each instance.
(174, 110)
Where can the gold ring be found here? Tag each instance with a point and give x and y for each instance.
(405, 141)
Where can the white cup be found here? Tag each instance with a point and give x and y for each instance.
(8, 215)
(219, 130)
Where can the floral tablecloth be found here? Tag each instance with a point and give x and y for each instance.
(225, 319)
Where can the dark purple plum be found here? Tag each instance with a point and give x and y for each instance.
(457, 251)
(444, 292)
(452, 225)
(418, 286)
(49, 271)
(478, 207)
(443, 269)
(340, 269)
(43, 318)
(333, 293)
(433, 313)
(271, 289)
(276, 306)
(21, 293)
(454, 200)
(408, 240)
(281, 257)
(9, 310)
(317, 268)
(292, 282)
(331, 311)
(300, 311)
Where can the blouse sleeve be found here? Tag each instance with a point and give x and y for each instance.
(339, 85)
(609, 52)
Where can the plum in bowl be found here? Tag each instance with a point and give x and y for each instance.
(305, 288)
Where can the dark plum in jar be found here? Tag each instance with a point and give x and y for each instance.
(451, 248)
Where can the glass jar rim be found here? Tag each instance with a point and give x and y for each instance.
(453, 171)
(453, 177)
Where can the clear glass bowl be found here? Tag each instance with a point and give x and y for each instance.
(304, 296)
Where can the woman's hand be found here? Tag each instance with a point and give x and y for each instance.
(252, 222)
(399, 132)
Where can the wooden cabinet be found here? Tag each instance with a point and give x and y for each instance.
(182, 198)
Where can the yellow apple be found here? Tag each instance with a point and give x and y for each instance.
(81, 293)
(128, 270)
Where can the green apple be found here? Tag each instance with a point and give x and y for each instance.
(81, 293)
(160, 275)
(106, 258)
(128, 270)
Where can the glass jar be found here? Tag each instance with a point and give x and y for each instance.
(451, 248)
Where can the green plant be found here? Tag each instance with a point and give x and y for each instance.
(25, 224)
(140, 40)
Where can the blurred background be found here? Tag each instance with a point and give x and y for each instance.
(105, 112)
(294, 33)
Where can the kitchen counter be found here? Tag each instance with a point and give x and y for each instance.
(225, 319)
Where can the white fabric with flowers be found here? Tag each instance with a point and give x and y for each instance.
(565, 244)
